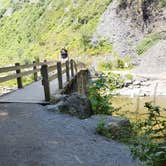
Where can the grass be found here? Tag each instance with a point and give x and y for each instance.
(118, 64)
(42, 29)
(147, 43)
(129, 76)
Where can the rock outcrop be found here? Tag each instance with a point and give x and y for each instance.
(75, 104)
(115, 127)
(119, 129)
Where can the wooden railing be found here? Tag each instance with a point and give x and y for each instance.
(49, 71)
(52, 72)
(19, 71)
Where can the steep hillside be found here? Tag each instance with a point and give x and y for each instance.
(39, 28)
(154, 60)
(133, 26)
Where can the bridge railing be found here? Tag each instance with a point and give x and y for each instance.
(19, 71)
(58, 70)
(49, 70)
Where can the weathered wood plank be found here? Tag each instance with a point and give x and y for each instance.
(45, 82)
(35, 75)
(7, 69)
(13, 76)
(67, 71)
(19, 79)
(72, 67)
(53, 77)
(52, 68)
(59, 71)
(14, 68)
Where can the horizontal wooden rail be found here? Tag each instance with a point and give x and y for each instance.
(22, 71)
(53, 77)
(13, 76)
(14, 68)
(52, 68)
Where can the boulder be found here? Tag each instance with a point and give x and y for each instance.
(75, 104)
(113, 127)
(119, 128)
(57, 98)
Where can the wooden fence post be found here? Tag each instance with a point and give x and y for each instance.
(72, 67)
(67, 71)
(35, 73)
(59, 71)
(75, 67)
(19, 79)
(45, 81)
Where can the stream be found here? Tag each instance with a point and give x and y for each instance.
(133, 107)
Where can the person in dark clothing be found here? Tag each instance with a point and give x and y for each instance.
(64, 53)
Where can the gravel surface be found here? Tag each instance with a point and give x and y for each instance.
(32, 136)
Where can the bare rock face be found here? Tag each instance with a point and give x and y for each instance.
(74, 104)
(154, 60)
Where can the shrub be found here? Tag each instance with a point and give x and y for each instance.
(129, 76)
(150, 145)
(100, 93)
(101, 129)
(147, 43)
(105, 66)
(120, 63)
(99, 98)
(114, 81)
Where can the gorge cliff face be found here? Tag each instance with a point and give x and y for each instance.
(147, 15)
(134, 27)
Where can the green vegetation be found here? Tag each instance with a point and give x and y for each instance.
(100, 93)
(148, 42)
(123, 135)
(99, 97)
(150, 138)
(147, 138)
(42, 29)
(129, 76)
(117, 64)
(102, 129)
(105, 66)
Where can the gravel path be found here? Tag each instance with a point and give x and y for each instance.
(33, 93)
(31, 136)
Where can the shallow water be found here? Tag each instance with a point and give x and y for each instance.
(133, 108)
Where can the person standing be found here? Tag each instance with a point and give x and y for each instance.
(64, 55)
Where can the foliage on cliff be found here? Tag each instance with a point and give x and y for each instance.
(38, 29)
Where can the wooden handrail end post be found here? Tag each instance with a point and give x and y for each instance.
(45, 81)
(67, 71)
(19, 79)
(72, 67)
(35, 73)
(59, 71)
